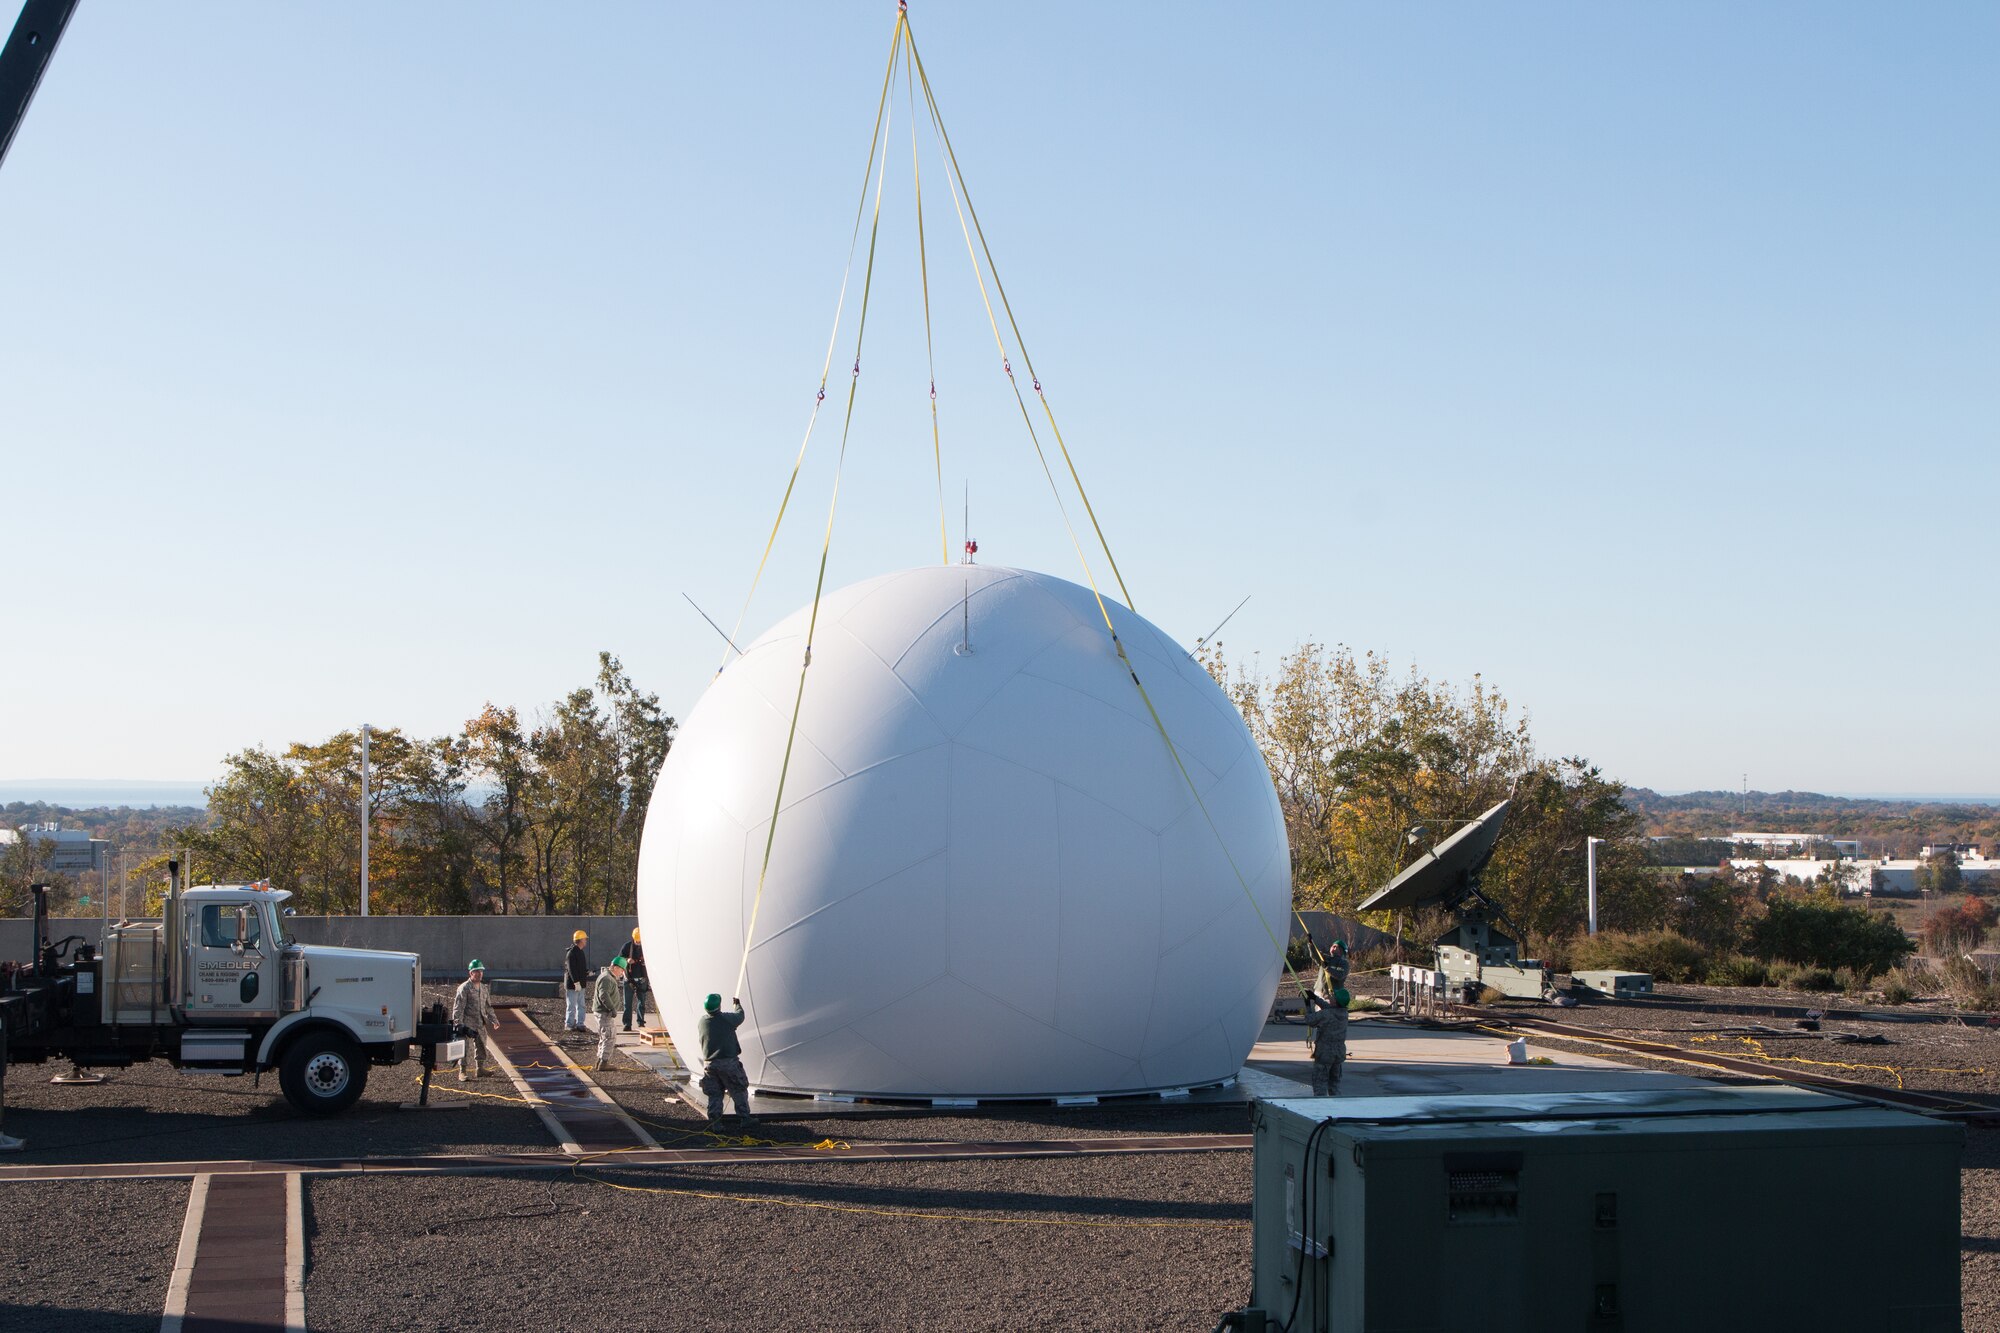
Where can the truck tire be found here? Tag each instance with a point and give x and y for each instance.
(323, 1073)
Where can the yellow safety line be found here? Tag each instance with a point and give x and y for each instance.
(826, 544)
(924, 268)
(875, 140)
(956, 178)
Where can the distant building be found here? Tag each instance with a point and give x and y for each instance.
(76, 852)
(1959, 849)
(1898, 876)
(1806, 869)
(1795, 843)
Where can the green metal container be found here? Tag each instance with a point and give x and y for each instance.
(1705, 1209)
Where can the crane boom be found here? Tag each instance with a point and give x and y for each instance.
(23, 59)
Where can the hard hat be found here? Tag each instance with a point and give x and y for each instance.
(1341, 997)
(619, 961)
(635, 934)
(580, 936)
(1340, 945)
(475, 966)
(712, 1003)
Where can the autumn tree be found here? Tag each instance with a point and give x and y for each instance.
(1362, 756)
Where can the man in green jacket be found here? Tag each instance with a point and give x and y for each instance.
(722, 1054)
(605, 1001)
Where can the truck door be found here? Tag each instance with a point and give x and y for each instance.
(233, 972)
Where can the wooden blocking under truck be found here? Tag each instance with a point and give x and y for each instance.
(216, 987)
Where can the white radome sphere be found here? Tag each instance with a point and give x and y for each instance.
(989, 878)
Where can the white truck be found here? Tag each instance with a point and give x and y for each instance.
(216, 987)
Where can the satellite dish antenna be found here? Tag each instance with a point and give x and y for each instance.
(1448, 874)
(1473, 955)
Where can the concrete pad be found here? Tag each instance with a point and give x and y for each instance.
(1385, 1059)
(1393, 1059)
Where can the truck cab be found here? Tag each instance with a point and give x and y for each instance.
(217, 986)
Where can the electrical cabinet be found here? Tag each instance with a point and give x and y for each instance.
(1711, 1208)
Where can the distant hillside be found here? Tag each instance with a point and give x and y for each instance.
(1882, 826)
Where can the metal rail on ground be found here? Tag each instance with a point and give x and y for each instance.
(1932, 1103)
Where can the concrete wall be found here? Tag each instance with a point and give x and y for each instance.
(510, 946)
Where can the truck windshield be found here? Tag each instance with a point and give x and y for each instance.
(278, 928)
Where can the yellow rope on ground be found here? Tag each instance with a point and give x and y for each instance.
(494, 1096)
(1757, 1047)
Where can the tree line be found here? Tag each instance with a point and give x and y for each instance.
(1373, 767)
(539, 815)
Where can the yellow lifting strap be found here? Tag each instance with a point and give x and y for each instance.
(833, 507)
(1026, 361)
(955, 177)
(875, 139)
(924, 270)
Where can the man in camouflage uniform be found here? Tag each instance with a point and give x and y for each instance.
(472, 1009)
(605, 1001)
(1328, 1020)
(722, 1056)
(1333, 968)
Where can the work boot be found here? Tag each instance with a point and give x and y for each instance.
(8, 1143)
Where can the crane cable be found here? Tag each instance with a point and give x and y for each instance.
(832, 508)
(876, 138)
(955, 176)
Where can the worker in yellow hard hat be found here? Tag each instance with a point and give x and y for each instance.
(575, 982)
(636, 985)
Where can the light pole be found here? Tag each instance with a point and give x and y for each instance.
(365, 821)
(1590, 868)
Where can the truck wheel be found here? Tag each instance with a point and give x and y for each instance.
(323, 1073)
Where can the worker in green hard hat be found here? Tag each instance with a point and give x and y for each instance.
(1327, 1016)
(605, 1000)
(472, 1009)
(1333, 970)
(722, 1057)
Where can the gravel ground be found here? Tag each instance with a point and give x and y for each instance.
(153, 1113)
(1941, 1057)
(132, 1228)
(647, 1099)
(561, 1244)
(1979, 1225)
(718, 1263)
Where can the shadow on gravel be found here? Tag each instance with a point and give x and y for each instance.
(72, 1319)
(928, 1198)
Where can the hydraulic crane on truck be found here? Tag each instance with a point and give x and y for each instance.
(24, 59)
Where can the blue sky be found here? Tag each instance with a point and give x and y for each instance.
(371, 362)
